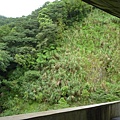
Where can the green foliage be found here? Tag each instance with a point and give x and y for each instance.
(47, 57)
(74, 8)
(64, 54)
(4, 30)
(4, 20)
(62, 103)
(55, 16)
(26, 60)
(5, 60)
(31, 75)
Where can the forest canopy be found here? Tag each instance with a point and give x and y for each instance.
(64, 54)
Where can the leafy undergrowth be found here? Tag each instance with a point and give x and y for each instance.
(84, 69)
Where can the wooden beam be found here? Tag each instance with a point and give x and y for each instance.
(103, 111)
(109, 6)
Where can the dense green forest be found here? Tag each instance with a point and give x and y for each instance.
(65, 54)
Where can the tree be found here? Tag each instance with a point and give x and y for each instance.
(5, 60)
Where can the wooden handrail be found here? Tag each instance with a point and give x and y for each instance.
(103, 111)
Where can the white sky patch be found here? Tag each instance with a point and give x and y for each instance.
(18, 8)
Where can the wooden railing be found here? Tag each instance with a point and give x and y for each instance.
(103, 111)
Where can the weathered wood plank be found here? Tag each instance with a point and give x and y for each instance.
(110, 6)
(103, 111)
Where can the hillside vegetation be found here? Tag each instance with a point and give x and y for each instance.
(64, 54)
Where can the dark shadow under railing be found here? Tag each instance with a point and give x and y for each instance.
(103, 111)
